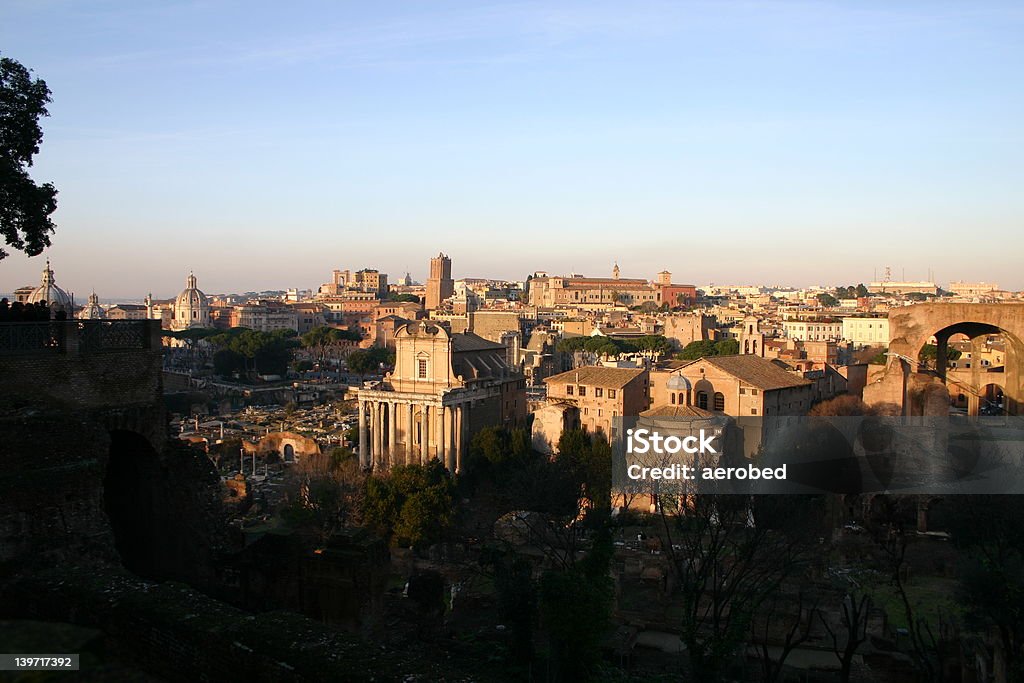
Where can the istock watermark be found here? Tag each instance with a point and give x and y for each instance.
(719, 454)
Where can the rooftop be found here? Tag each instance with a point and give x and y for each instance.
(597, 376)
(757, 371)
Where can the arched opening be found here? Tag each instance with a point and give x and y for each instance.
(130, 500)
(969, 356)
(702, 400)
(289, 453)
(992, 400)
(719, 402)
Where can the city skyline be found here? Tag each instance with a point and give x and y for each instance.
(263, 146)
(395, 278)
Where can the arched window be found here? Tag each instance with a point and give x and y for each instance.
(682, 399)
(672, 397)
(746, 346)
(702, 400)
(719, 401)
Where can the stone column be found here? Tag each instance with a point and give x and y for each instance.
(392, 432)
(443, 432)
(409, 432)
(459, 435)
(364, 460)
(425, 442)
(449, 425)
(377, 429)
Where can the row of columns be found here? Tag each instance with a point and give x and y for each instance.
(379, 446)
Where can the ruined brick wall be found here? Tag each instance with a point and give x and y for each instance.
(61, 410)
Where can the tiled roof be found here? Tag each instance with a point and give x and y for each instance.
(598, 376)
(468, 341)
(677, 411)
(758, 372)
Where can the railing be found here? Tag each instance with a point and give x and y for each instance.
(75, 336)
(42, 337)
(97, 336)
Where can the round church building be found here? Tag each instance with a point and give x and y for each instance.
(191, 307)
(48, 292)
(92, 310)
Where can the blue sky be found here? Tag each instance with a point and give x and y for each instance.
(264, 144)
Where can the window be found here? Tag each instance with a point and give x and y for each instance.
(611, 393)
(598, 392)
(421, 368)
(753, 411)
(742, 391)
(673, 398)
(702, 400)
(582, 391)
(569, 389)
(753, 392)
(719, 401)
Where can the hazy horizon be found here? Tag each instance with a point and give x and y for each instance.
(263, 145)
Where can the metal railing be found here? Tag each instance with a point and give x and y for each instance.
(29, 338)
(74, 336)
(95, 336)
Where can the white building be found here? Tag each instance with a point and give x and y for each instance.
(866, 331)
(813, 330)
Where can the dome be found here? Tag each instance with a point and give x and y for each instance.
(92, 310)
(191, 295)
(50, 293)
(678, 383)
(191, 307)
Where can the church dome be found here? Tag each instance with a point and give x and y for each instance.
(191, 307)
(678, 383)
(49, 292)
(92, 310)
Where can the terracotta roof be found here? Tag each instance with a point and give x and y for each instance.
(677, 411)
(598, 376)
(468, 341)
(758, 372)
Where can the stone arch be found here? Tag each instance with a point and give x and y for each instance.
(289, 452)
(911, 327)
(131, 500)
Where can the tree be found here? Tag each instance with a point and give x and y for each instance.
(930, 353)
(698, 349)
(368, 361)
(845, 405)
(989, 531)
(25, 207)
(727, 567)
(827, 300)
(727, 347)
(319, 339)
(412, 504)
(325, 493)
(853, 619)
(270, 352)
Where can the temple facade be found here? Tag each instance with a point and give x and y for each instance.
(444, 389)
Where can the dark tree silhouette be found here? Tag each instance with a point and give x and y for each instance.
(25, 207)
